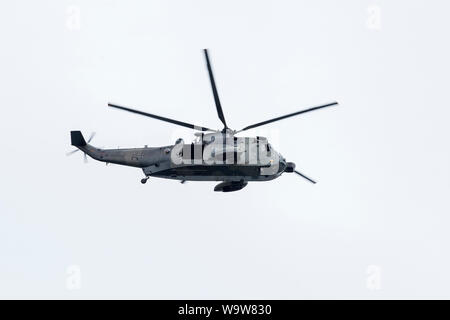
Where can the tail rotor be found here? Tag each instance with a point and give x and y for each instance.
(76, 150)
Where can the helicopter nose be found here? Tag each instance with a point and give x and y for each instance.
(290, 167)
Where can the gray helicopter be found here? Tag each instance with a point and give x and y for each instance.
(214, 155)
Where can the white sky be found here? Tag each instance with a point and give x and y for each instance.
(381, 158)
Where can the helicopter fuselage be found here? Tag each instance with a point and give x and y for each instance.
(212, 162)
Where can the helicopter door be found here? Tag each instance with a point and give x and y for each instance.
(193, 153)
(187, 153)
(196, 153)
(235, 154)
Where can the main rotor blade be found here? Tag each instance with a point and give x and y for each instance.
(180, 123)
(214, 89)
(287, 116)
(303, 176)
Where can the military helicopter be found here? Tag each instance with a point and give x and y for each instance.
(214, 155)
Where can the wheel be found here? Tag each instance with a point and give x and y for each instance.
(144, 180)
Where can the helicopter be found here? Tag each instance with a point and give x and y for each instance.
(214, 155)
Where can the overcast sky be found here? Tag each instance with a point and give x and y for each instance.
(376, 225)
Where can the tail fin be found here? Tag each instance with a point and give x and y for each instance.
(77, 139)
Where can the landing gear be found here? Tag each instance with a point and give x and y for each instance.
(144, 180)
